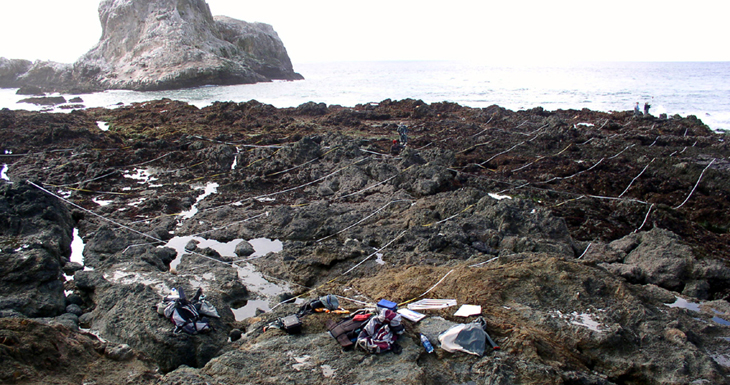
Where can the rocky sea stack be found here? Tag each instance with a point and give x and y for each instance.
(161, 45)
(595, 243)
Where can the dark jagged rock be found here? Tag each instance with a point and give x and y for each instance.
(34, 352)
(30, 90)
(161, 45)
(658, 257)
(124, 315)
(45, 100)
(35, 232)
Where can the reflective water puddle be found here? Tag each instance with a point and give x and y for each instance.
(209, 188)
(694, 306)
(255, 282)
(77, 253)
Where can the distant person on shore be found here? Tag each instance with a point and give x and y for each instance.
(403, 132)
(647, 106)
(395, 148)
(637, 110)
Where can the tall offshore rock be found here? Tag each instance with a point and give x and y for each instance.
(167, 44)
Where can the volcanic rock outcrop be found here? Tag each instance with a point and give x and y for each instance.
(161, 45)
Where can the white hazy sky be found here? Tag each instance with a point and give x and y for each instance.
(486, 30)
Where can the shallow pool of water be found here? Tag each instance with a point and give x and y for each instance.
(226, 249)
(721, 321)
(141, 175)
(261, 288)
(684, 304)
(694, 306)
(101, 202)
(208, 189)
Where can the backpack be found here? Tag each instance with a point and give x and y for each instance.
(327, 302)
(381, 332)
(346, 330)
(185, 315)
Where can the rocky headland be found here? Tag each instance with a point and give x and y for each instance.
(160, 45)
(596, 243)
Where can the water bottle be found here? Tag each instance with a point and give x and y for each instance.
(426, 343)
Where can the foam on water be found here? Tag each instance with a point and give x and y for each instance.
(4, 173)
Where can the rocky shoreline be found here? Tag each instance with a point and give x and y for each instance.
(595, 243)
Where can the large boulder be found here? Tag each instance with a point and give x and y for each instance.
(659, 257)
(125, 314)
(160, 45)
(260, 43)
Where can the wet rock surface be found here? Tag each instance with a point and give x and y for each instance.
(596, 243)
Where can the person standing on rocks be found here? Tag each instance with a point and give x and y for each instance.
(637, 110)
(403, 132)
(647, 106)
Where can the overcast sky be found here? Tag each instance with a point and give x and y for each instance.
(329, 30)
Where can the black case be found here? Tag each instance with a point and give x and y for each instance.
(291, 324)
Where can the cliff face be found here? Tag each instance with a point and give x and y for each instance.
(166, 44)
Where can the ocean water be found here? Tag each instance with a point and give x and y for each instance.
(685, 88)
